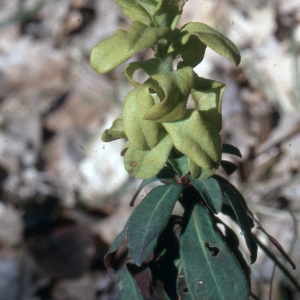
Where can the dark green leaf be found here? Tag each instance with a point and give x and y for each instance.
(180, 165)
(228, 166)
(128, 287)
(150, 218)
(210, 191)
(124, 44)
(230, 149)
(211, 270)
(110, 255)
(238, 203)
(164, 175)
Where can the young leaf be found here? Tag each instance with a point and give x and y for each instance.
(116, 131)
(207, 95)
(196, 139)
(149, 66)
(176, 87)
(168, 13)
(210, 191)
(128, 288)
(238, 203)
(211, 270)
(150, 218)
(143, 134)
(115, 50)
(135, 12)
(211, 38)
(230, 149)
(198, 172)
(146, 164)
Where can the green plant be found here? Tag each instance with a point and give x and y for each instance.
(192, 254)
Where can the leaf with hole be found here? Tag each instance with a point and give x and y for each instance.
(211, 270)
(150, 218)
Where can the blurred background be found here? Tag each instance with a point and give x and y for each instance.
(64, 194)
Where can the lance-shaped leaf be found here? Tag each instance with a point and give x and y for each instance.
(210, 191)
(116, 131)
(135, 12)
(150, 218)
(124, 44)
(143, 134)
(168, 13)
(146, 164)
(176, 88)
(209, 37)
(149, 66)
(239, 206)
(211, 270)
(165, 175)
(195, 138)
(128, 288)
(207, 95)
(180, 165)
(230, 149)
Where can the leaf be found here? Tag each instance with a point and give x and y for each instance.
(165, 175)
(180, 165)
(211, 38)
(149, 66)
(210, 191)
(141, 133)
(128, 287)
(124, 44)
(146, 164)
(176, 87)
(228, 166)
(150, 218)
(207, 95)
(135, 12)
(195, 138)
(110, 255)
(192, 53)
(241, 210)
(116, 131)
(211, 270)
(230, 149)
(168, 13)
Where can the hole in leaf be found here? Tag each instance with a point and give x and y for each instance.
(185, 290)
(214, 251)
